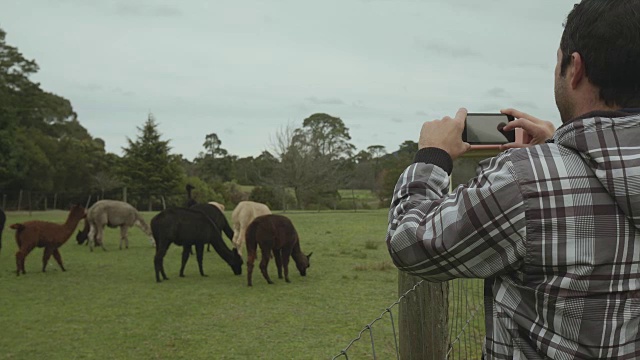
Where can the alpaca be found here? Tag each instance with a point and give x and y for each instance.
(45, 234)
(217, 204)
(187, 228)
(274, 233)
(3, 218)
(215, 213)
(190, 200)
(111, 213)
(242, 216)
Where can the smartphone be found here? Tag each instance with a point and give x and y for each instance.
(486, 129)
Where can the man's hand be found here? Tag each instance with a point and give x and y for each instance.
(445, 134)
(536, 131)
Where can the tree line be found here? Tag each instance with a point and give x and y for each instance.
(44, 149)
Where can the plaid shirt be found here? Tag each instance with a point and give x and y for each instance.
(554, 228)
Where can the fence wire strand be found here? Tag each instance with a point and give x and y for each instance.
(466, 321)
(368, 327)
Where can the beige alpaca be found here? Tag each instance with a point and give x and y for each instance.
(111, 213)
(242, 217)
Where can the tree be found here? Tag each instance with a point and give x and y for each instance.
(212, 146)
(327, 136)
(43, 147)
(215, 163)
(148, 168)
(314, 159)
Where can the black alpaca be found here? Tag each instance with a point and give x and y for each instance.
(218, 218)
(3, 218)
(187, 228)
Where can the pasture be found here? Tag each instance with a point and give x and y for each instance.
(108, 304)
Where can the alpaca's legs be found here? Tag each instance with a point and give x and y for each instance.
(25, 249)
(48, 251)
(286, 256)
(91, 238)
(186, 252)
(199, 256)
(123, 236)
(56, 255)
(100, 237)
(264, 262)
(278, 257)
(242, 238)
(236, 237)
(161, 251)
(251, 258)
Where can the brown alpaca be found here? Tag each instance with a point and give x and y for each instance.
(47, 235)
(274, 234)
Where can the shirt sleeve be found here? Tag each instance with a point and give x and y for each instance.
(476, 231)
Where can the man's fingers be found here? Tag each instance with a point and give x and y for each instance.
(519, 114)
(461, 115)
(525, 124)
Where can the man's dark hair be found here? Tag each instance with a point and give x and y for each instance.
(606, 34)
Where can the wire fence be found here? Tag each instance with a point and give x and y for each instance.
(466, 319)
(466, 324)
(25, 200)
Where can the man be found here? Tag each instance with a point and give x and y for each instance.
(553, 226)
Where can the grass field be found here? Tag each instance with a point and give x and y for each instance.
(108, 304)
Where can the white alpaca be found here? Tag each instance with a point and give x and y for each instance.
(218, 205)
(242, 217)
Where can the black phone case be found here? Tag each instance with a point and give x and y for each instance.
(510, 136)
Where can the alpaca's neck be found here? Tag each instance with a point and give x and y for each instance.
(70, 225)
(296, 253)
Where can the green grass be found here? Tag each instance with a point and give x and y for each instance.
(108, 304)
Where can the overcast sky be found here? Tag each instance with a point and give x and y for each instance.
(244, 69)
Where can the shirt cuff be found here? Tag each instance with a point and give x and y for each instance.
(435, 156)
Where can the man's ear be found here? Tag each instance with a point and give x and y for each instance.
(576, 70)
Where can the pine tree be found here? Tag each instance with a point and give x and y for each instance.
(148, 168)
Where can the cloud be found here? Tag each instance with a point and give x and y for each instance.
(396, 120)
(525, 105)
(421, 113)
(358, 104)
(129, 9)
(498, 92)
(445, 49)
(325, 101)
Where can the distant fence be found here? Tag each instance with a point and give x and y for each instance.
(465, 325)
(25, 200)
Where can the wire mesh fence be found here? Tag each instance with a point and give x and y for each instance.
(26, 200)
(380, 338)
(466, 319)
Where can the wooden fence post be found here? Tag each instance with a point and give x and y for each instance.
(4, 201)
(20, 200)
(124, 194)
(55, 201)
(423, 320)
